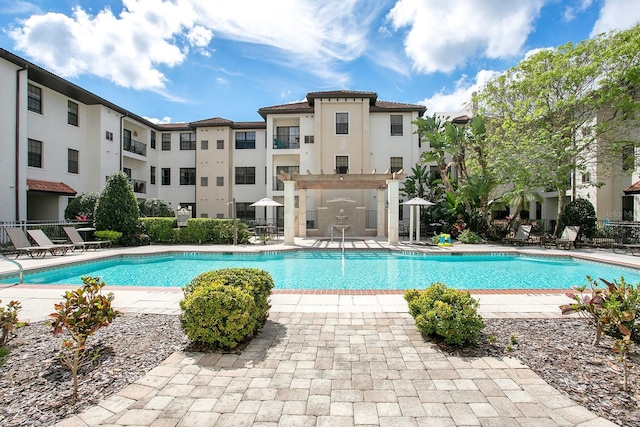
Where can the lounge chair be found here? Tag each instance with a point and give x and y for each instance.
(77, 240)
(21, 243)
(568, 238)
(42, 240)
(522, 235)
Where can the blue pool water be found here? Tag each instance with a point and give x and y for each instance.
(358, 270)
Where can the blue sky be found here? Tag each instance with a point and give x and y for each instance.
(187, 60)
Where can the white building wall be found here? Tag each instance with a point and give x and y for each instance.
(175, 159)
(9, 188)
(247, 193)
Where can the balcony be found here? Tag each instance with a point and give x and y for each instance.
(139, 186)
(134, 146)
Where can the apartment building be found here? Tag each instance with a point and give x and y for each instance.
(59, 140)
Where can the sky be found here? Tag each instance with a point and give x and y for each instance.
(185, 60)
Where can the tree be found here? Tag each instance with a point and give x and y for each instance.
(517, 198)
(442, 137)
(557, 109)
(117, 208)
(82, 207)
(416, 184)
(155, 208)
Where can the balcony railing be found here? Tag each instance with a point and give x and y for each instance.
(286, 142)
(134, 146)
(139, 186)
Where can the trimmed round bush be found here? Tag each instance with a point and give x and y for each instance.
(217, 315)
(445, 312)
(239, 283)
(582, 213)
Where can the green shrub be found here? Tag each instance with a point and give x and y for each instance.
(8, 320)
(110, 235)
(159, 230)
(468, 236)
(211, 230)
(580, 212)
(156, 208)
(117, 207)
(447, 313)
(80, 315)
(82, 207)
(221, 308)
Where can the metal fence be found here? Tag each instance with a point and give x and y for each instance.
(53, 229)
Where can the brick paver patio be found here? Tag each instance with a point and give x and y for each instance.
(338, 369)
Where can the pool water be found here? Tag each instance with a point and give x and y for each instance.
(356, 271)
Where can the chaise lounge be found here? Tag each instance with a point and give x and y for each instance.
(22, 246)
(568, 237)
(42, 240)
(522, 235)
(77, 240)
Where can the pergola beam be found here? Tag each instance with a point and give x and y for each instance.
(372, 181)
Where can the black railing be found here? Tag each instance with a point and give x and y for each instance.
(286, 142)
(138, 186)
(134, 146)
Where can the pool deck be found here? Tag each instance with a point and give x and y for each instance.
(329, 359)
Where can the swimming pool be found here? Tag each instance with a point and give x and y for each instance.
(358, 270)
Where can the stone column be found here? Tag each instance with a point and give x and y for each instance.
(380, 207)
(393, 186)
(302, 213)
(289, 212)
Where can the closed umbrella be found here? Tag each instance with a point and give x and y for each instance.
(416, 201)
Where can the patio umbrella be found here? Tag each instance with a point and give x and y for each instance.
(416, 201)
(266, 202)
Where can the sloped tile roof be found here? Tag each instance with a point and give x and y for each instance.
(397, 106)
(50, 187)
(173, 126)
(633, 188)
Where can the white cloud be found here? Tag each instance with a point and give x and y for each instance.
(132, 47)
(617, 15)
(461, 96)
(157, 121)
(222, 81)
(442, 36)
(570, 12)
(127, 49)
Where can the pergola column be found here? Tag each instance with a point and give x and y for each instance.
(289, 218)
(380, 207)
(393, 186)
(302, 212)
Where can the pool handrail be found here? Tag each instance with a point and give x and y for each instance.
(20, 269)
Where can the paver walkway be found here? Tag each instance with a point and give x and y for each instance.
(338, 369)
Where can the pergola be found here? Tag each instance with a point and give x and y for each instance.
(373, 181)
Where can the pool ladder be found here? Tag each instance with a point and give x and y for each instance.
(20, 269)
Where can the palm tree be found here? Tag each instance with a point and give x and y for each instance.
(517, 198)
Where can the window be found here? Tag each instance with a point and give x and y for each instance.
(108, 136)
(34, 95)
(153, 139)
(127, 171)
(342, 164)
(245, 175)
(188, 141)
(308, 139)
(166, 176)
(279, 185)
(245, 140)
(152, 175)
(187, 176)
(287, 137)
(34, 155)
(396, 125)
(220, 144)
(72, 113)
(204, 181)
(586, 176)
(342, 123)
(166, 142)
(220, 181)
(204, 144)
(395, 164)
(73, 161)
(244, 210)
(204, 215)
